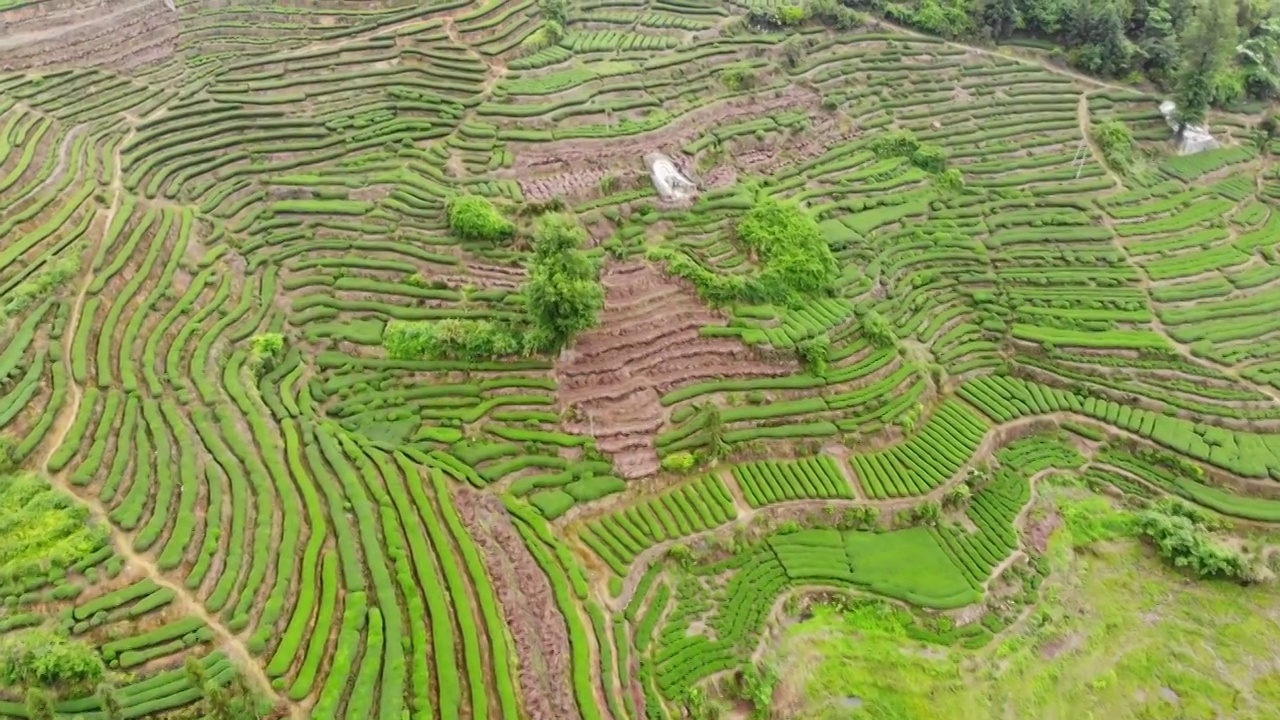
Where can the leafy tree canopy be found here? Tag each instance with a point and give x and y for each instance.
(42, 658)
(563, 293)
(796, 257)
(1206, 45)
(473, 217)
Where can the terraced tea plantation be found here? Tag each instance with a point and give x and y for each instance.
(283, 432)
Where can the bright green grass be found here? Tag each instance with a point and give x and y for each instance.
(1117, 636)
(907, 564)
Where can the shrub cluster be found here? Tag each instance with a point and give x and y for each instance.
(796, 258)
(878, 330)
(42, 658)
(450, 339)
(904, 143)
(265, 351)
(679, 462)
(1181, 534)
(1116, 143)
(813, 352)
(475, 218)
(835, 14)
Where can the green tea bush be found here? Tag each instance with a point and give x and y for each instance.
(473, 217)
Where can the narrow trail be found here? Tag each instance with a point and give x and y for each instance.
(184, 600)
(64, 158)
(1085, 119)
(1181, 348)
(1145, 282)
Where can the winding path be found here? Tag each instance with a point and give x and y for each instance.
(184, 600)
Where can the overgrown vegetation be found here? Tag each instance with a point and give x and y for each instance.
(44, 530)
(42, 658)
(1116, 142)
(265, 351)
(473, 217)
(878, 330)
(1182, 534)
(563, 297)
(42, 283)
(904, 143)
(796, 260)
(452, 339)
(233, 702)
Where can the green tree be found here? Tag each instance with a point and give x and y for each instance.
(1206, 47)
(1259, 58)
(556, 11)
(1045, 17)
(1001, 17)
(43, 658)
(563, 292)
(795, 254)
(1157, 41)
(1096, 34)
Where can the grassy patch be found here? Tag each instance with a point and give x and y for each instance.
(1118, 635)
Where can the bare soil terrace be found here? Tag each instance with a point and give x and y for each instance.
(647, 344)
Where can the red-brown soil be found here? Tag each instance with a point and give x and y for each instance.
(542, 642)
(533, 159)
(647, 344)
(116, 36)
